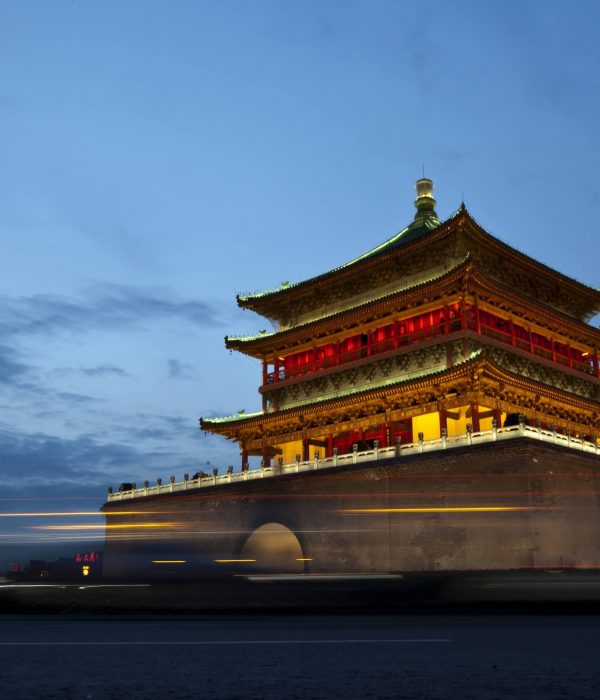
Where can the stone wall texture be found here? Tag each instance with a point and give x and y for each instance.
(395, 515)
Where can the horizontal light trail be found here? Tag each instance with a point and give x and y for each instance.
(73, 585)
(450, 509)
(233, 642)
(169, 561)
(233, 561)
(307, 578)
(120, 526)
(77, 513)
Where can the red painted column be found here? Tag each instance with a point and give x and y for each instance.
(388, 434)
(443, 420)
(396, 334)
(569, 355)
(276, 371)
(477, 321)
(329, 445)
(264, 370)
(595, 361)
(512, 332)
(553, 350)
(244, 459)
(446, 319)
(475, 418)
(497, 417)
(265, 456)
(305, 449)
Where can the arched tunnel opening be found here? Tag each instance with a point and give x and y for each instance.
(275, 549)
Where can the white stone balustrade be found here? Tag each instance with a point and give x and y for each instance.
(373, 455)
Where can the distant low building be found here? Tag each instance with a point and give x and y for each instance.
(80, 566)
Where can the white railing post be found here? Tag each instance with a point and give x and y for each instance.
(522, 430)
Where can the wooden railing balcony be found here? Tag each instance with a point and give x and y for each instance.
(466, 320)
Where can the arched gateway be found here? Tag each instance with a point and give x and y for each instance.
(274, 549)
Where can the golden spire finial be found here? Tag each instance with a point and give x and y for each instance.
(425, 203)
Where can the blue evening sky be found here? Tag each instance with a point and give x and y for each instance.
(156, 158)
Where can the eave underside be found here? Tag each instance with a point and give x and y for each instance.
(479, 380)
(466, 281)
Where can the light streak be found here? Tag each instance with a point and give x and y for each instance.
(75, 513)
(121, 526)
(169, 561)
(233, 561)
(303, 559)
(449, 509)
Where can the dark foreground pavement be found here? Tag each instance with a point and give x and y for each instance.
(325, 656)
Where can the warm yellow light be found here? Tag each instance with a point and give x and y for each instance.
(123, 526)
(73, 513)
(303, 559)
(169, 561)
(465, 509)
(85, 570)
(233, 561)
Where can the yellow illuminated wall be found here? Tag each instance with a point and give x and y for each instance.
(486, 423)
(458, 426)
(429, 425)
(290, 450)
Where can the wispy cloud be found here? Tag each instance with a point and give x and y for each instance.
(38, 463)
(104, 306)
(12, 369)
(103, 371)
(179, 370)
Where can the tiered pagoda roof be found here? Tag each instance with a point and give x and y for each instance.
(457, 237)
(466, 275)
(426, 266)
